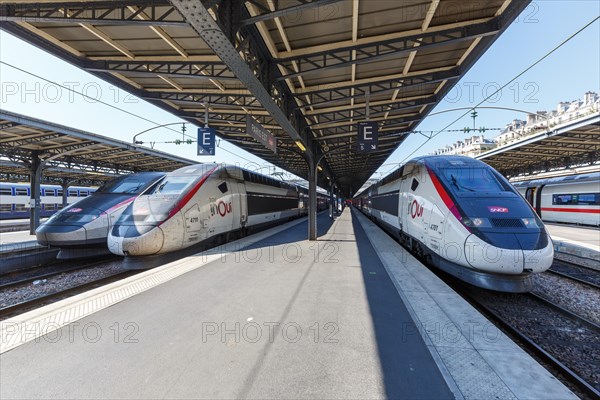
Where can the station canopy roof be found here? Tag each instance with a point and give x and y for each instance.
(72, 155)
(308, 71)
(571, 144)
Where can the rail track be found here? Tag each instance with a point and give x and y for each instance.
(28, 305)
(576, 273)
(30, 275)
(563, 340)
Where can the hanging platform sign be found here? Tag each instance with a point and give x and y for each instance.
(258, 132)
(367, 136)
(206, 141)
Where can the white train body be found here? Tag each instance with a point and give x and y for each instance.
(481, 230)
(573, 199)
(200, 202)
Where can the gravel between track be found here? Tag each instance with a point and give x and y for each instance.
(576, 297)
(67, 280)
(571, 342)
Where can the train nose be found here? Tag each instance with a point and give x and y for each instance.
(60, 235)
(129, 241)
(512, 253)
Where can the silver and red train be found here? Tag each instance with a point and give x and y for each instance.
(465, 218)
(573, 199)
(204, 202)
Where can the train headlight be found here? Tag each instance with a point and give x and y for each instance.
(531, 223)
(476, 222)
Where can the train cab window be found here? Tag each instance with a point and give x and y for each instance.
(6, 191)
(414, 185)
(21, 192)
(126, 184)
(174, 184)
(223, 187)
(472, 180)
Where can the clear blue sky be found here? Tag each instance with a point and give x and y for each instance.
(564, 76)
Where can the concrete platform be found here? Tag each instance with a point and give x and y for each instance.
(271, 316)
(17, 241)
(580, 245)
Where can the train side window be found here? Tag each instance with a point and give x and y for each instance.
(72, 193)
(223, 187)
(20, 192)
(59, 192)
(576, 199)
(6, 191)
(414, 185)
(5, 208)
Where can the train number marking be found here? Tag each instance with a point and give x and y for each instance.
(416, 209)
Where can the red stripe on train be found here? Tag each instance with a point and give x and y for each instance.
(188, 196)
(577, 210)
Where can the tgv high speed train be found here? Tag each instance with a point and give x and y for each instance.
(573, 199)
(80, 230)
(465, 218)
(201, 202)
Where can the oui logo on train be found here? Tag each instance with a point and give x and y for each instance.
(416, 209)
(223, 208)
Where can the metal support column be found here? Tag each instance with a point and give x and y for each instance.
(35, 174)
(312, 199)
(331, 209)
(65, 195)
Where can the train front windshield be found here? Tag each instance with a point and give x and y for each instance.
(174, 184)
(125, 185)
(474, 180)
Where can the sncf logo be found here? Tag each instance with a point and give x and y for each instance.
(223, 208)
(496, 209)
(416, 209)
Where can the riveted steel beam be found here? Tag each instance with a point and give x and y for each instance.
(364, 53)
(157, 12)
(281, 12)
(207, 70)
(203, 23)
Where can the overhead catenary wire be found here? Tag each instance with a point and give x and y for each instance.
(108, 104)
(498, 90)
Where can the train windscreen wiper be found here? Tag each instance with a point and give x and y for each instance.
(455, 183)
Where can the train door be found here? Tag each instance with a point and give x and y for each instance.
(193, 225)
(241, 205)
(529, 195)
(538, 201)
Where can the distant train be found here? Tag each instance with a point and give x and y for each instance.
(15, 199)
(205, 202)
(573, 199)
(80, 229)
(465, 218)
